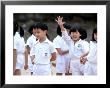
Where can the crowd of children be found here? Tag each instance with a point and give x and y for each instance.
(72, 54)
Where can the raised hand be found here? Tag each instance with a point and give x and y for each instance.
(59, 20)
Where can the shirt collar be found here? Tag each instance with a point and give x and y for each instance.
(46, 41)
(34, 36)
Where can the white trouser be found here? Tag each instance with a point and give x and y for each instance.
(90, 69)
(20, 61)
(41, 69)
(63, 65)
(76, 67)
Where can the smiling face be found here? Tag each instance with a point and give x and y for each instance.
(40, 34)
(75, 36)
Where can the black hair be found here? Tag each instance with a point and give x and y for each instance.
(21, 31)
(76, 27)
(42, 26)
(33, 26)
(16, 28)
(67, 26)
(94, 31)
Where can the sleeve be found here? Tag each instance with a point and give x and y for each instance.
(85, 47)
(56, 43)
(66, 37)
(15, 43)
(52, 48)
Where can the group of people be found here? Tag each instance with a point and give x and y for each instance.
(71, 52)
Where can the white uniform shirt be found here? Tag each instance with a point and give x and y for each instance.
(42, 51)
(77, 49)
(19, 43)
(92, 56)
(31, 41)
(60, 43)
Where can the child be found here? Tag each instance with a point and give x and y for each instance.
(20, 56)
(91, 60)
(30, 43)
(63, 59)
(43, 52)
(77, 45)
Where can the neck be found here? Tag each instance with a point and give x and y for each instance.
(76, 41)
(41, 40)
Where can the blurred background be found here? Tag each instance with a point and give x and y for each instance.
(87, 20)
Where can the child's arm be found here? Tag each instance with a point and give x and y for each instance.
(62, 52)
(83, 58)
(14, 59)
(65, 35)
(53, 58)
(32, 54)
(26, 59)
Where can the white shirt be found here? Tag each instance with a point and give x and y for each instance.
(19, 43)
(31, 41)
(42, 51)
(77, 49)
(60, 43)
(92, 56)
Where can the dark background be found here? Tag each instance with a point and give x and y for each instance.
(87, 21)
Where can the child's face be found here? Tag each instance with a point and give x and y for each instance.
(95, 36)
(75, 36)
(40, 34)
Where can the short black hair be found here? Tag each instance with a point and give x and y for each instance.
(31, 29)
(42, 26)
(66, 25)
(77, 27)
(94, 31)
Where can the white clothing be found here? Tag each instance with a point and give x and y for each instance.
(91, 64)
(76, 50)
(31, 42)
(62, 61)
(19, 45)
(42, 52)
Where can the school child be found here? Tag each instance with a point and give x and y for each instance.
(20, 56)
(77, 45)
(43, 52)
(63, 59)
(90, 60)
(30, 43)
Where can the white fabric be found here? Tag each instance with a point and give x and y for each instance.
(62, 61)
(92, 57)
(31, 42)
(19, 45)
(90, 69)
(41, 69)
(91, 65)
(75, 50)
(42, 52)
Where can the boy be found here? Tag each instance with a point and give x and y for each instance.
(42, 52)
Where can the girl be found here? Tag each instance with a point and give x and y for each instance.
(30, 43)
(91, 58)
(77, 45)
(43, 52)
(20, 56)
(63, 59)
